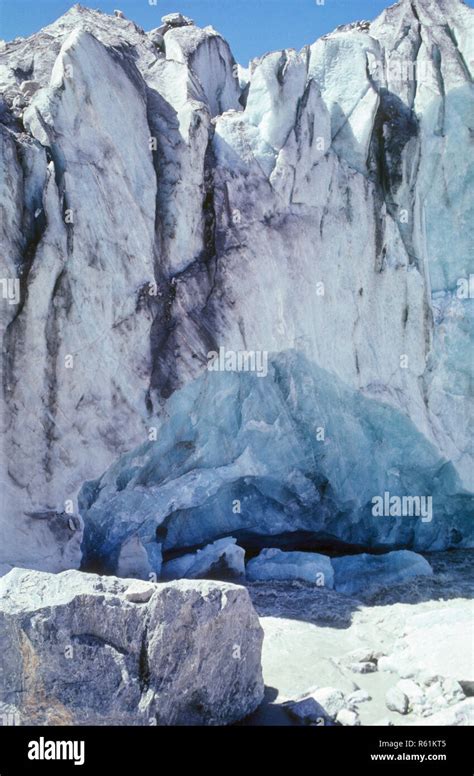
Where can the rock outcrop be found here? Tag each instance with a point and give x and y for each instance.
(88, 650)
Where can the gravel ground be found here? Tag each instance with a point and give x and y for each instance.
(317, 638)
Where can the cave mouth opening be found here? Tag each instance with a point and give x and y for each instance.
(291, 541)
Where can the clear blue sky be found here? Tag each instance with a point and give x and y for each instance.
(252, 27)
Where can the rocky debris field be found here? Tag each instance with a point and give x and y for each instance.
(400, 656)
(84, 649)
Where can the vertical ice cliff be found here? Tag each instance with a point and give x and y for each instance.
(156, 208)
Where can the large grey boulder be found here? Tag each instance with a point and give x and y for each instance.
(88, 650)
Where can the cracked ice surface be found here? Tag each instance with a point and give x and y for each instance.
(233, 436)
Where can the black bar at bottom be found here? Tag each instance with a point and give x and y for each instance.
(127, 750)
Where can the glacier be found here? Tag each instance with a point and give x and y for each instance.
(273, 564)
(160, 202)
(241, 455)
(359, 573)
